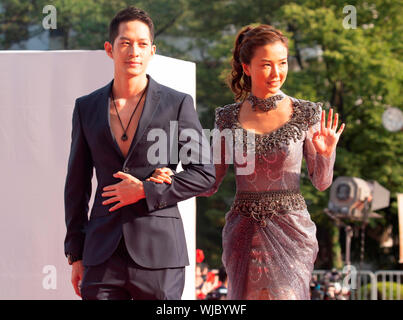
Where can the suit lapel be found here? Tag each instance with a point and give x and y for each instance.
(103, 104)
(150, 108)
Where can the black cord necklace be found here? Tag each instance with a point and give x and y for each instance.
(124, 137)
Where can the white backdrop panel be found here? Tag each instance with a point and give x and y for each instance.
(38, 90)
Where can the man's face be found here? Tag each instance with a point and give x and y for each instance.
(132, 49)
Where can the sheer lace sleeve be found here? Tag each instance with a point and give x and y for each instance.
(320, 168)
(220, 152)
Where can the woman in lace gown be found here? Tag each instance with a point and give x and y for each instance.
(269, 239)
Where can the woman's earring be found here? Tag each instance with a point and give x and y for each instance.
(245, 69)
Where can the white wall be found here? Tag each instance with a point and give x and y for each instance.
(38, 90)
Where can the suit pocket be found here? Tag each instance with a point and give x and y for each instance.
(169, 212)
(100, 210)
(138, 210)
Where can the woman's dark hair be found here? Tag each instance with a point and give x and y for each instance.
(247, 40)
(129, 14)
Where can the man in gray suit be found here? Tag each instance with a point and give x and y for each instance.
(133, 244)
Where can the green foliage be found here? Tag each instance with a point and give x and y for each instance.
(359, 72)
(83, 24)
(14, 19)
(387, 288)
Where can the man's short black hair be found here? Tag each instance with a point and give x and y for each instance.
(130, 14)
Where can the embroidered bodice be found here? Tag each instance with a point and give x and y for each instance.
(274, 158)
(269, 243)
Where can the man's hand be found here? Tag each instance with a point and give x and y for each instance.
(161, 175)
(128, 191)
(77, 273)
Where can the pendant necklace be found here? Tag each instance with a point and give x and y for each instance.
(124, 137)
(267, 104)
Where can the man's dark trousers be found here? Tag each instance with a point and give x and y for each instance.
(120, 278)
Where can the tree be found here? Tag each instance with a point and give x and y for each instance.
(81, 24)
(14, 21)
(357, 71)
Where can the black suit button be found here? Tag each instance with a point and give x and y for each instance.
(126, 170)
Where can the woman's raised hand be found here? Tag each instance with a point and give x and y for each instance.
(326, 139)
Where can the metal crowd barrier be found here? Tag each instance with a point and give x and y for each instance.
(368, 285)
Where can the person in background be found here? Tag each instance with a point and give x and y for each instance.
(221, 291)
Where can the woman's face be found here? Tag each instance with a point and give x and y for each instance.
(267, 69)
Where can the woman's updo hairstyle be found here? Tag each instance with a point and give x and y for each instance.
(247, 40)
